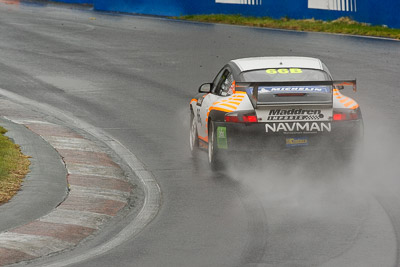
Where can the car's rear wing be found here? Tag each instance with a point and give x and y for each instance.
(293, 92)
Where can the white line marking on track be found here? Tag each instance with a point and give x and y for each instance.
(26, 121)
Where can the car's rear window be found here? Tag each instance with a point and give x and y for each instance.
(284, 75)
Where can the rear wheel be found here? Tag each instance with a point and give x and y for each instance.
(213, 151)
(193, 137)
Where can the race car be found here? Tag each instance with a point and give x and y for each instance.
(273, 104)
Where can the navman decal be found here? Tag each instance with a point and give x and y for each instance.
(298, 127)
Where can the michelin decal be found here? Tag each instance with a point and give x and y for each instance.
(317, 89)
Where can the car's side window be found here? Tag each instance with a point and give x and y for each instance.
(217, 81)
(226, 87)
(223, 87)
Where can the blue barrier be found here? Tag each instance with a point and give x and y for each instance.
(380, 12)
(90, 2)
(384, 12)
(155, 7)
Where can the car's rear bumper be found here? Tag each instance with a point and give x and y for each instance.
(254, 137)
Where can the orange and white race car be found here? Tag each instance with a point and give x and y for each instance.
(273, 104)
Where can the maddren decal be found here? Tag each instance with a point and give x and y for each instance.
(294, 114)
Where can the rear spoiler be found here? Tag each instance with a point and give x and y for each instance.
(253, 86)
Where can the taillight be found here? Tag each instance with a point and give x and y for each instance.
(339, 117)
(241, 117)
(249, 118)
(345, 116)
(231, 118)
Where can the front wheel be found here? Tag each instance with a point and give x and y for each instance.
(213, 151)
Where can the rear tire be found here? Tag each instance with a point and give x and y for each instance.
(193, 136)
(213, 151)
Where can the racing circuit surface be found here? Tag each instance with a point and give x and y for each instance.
(133, 77)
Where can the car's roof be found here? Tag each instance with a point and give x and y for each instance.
(254, 63)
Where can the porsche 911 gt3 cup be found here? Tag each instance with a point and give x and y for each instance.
(273, 104)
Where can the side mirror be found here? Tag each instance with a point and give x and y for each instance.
(340, 85)
(205, 88)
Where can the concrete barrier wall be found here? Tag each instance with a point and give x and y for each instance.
(382, 12)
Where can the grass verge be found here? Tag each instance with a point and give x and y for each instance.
(13, 167)
(342, 25)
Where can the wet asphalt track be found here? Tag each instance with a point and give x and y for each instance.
(133, 77)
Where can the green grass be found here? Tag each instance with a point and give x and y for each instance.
(13, 167)
(342, 25)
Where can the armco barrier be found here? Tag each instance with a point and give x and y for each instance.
(382, 12)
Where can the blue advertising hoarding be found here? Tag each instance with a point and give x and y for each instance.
(384, 12)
